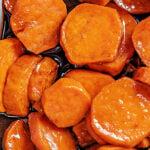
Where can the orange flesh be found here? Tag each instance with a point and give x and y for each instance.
(134, 6)
(37, 23)
(111, 147)
(38, 106)
(140, 39)
(66, 102)
(126, 49)
(15, 96)
(46, 136)
(9, 5)
(144, 144)
(92, 81)
(77, 32)
(42, 77)
(83, 136)
(17, 137)
(126, 105)
(10, 50)
(99, 2)
(142, 74)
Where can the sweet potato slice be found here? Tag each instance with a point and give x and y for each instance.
(15, 97)
(42, 77)
(82, 134)
(38, 106)
(99, 2)
(97, 138)
(111, 147)
(140, 39)
(144, 144)
(88, 32)
(37, 23)
(142, 74)
(134, 6)
(120, 112)
(46, 136)
(66, 102)
(92, 81)
(126, 49)
(10, 50)
(9, 5)
(17, 137)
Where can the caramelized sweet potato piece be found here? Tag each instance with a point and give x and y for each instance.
(38, 106)
(93, 147)
(120, 113)
(140, 39)
(111, 147)
(142, 74)
(9, 5)
(88, 32)
(37, 23)
(17, 137)
(97, 138)
(126, 49)
(42, 77)
(92, 81)
(144, 144)
(10, 50)
(15, 96)
(83, 136)
(99, 2)
(134, 6)
(66, 102)
(46, 136)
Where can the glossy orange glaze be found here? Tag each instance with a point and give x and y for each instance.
(15, 96)
(97, 138)
(83, 136)
(134, 6)
(126, 49)
(144, 144)
(92, 81)
(66, 102)
(142, 74)
(99, 2)
(84, 44)
(36, 23)
(10, 50)
(38, 106)
(111, 147)
(9, 5)
(17, 137)
(141, 42)
(42, 77)
(120, 113)
(46, 136)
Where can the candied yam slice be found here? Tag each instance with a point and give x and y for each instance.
(145, 143)
(92, 81)
(134, 6)
(126, 49)
(15, 96)
(17, 137)
(66, 102)
(142, 74)
(42, 77)
(10, 50)
(38, 106)
(9, 5)
(46, 136)
(141, 42)
(82, 134)
(37, 23)
(99, 2)
(88, 32)
(112, 147)
(120, 113)
(97, 138)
